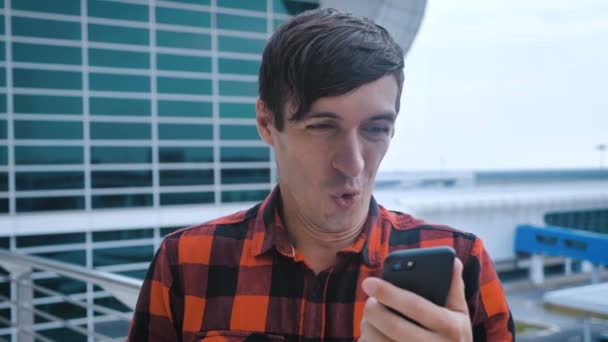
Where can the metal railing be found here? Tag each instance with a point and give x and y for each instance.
(20, 269)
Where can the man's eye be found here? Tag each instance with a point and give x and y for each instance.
(378, 130)
(320, 126)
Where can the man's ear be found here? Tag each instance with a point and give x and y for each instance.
(264, 121)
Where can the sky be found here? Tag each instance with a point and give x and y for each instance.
(505, 84)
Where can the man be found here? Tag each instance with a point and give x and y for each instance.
(303, 265)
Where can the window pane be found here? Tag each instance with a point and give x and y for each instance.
(37, 155)
(174, 16)
(117, 10)
(239, 132)
(115, 34)
(238, 88)
(294, 7)
(185, 154)
(55, 6)
(245, 154)
(122, 201)
(185, 40)
(44, 28)
(185, 132)
(120, 130)
(43, 104)
(50, 203)
(277, 23)
(49, 180)
(243, 4)
(244, 196)
(3, 205)
(243, 45)
(3, 133)
(237, 110)
(243, 176)
(186, 177)
(60, 284)
(183, 63)
(2, 50)
(120, 155)
(3, 155)
(48, 130)
(49, 239)
(2, 77)
(2, 103)
(28, 78)
(184, 108)
(36, 53)
(195, 2)
(112, 106)
(119, 59)
(119, 179)
(73, 257)
(119, 235)
(173, 85)
(168, 230)
(238, 66)
(237, 22)
(115, 82)
(122, 255)
(3, 181)
(186, 198)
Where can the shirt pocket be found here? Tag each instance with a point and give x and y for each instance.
(238, 336)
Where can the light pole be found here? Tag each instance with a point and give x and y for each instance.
(602, 150)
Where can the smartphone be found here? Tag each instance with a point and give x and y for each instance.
(424, 271)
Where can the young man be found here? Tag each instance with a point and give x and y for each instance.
(304, 264)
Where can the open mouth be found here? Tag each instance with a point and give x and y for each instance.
(346, 200)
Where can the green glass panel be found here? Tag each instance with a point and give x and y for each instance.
(43, 104)
(36, 53)
(50, 203)
(120, 130)
(49, 180)
(119, 59)
(122, 201)
(239, 132)
(194, 2)
(120, 155)
(2, 103)
(185, 154)
(3, 132)
(174, 85)
(240, 23)
(186, 198)
(4, 205)
(237, 110)
(64, 285)
(183, 63)
(244, 176)
(1, 25)
(55, 6)
(48, 130)
(245, 154)
(185, 40)
(112, 106)
(2, 51)
(117, 10)
(44, 28)
(243, 45)
(115, 34)
(73, 257)
(175, 16)
(3, 155)
(238, 88)
(186, 177)
(277, 23)
(243, 4)
(115, 82)
(41, 155)
(244, 196)
(185, 132)
(121, 179)
(184, 108)
(2, 77)
(238, 66)
(122, 255)
(3, 181)
(168, 230)
(119, 235)
(29, 78)
(293, 7)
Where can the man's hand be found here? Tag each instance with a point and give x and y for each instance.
(449, 323)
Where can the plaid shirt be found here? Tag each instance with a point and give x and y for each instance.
(238, 278)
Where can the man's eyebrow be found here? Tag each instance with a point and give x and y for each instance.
(322, 115)
(388, 116)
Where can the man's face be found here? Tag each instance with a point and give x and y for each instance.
(327, 162)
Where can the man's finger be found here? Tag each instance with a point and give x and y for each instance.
(456, 300)
(369, 333)
(392, 325)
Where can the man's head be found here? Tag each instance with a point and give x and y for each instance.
(330, 85)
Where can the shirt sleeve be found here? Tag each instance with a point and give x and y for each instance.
(153, 319)
(491, 318)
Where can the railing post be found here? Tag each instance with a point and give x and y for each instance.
(537, 271)
(25, 296)
(568, 266)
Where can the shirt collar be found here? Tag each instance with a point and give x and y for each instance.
(269, 231)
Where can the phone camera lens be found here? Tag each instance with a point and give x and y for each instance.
(397, 266)
(410, 264)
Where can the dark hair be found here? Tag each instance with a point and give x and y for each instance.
(322, 53)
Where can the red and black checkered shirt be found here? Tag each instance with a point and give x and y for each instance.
(237, 278)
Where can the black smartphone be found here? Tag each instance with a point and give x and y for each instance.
(424, 271)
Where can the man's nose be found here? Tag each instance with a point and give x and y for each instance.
(348, 157)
